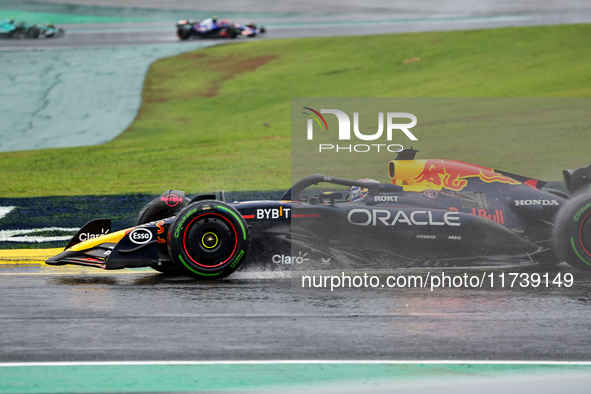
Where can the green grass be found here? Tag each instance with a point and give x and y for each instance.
(219, 118)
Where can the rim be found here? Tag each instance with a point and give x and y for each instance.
(209, 240)
(585, 234)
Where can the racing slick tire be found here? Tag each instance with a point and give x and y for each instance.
(208, 240)
(183, 34)
(33, 32)
(230, 32)
(16, 33)
(572, 233)
(147, 215)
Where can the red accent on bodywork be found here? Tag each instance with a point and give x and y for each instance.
(452, 174)
(90, 259)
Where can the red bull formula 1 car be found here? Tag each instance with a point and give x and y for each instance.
(433, 213)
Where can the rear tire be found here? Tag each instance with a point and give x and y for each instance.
(208, 240)
(230, 32)
(572, 232)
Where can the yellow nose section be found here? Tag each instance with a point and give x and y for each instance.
(103, 239)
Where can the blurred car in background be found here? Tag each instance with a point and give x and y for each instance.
(214, 28)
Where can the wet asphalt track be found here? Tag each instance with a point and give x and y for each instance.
(164, 34)
(79, 314)
(71, 314)
(288, 19)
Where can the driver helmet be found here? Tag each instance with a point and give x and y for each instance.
(359, 193)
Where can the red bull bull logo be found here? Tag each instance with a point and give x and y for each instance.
(441, 174)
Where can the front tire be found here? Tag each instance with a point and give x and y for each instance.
(208, 240)
(572, 232)
(183, 34)
(33, 32)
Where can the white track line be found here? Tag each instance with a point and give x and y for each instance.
(283, 362)
(5, 211)
(22, 235)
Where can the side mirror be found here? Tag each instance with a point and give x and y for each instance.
(578, 180)
(331, 196)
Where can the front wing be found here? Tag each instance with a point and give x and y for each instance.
(133, 247)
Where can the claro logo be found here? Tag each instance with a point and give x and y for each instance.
(86, 236)
(344, 133)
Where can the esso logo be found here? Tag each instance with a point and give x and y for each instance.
(140, 236)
